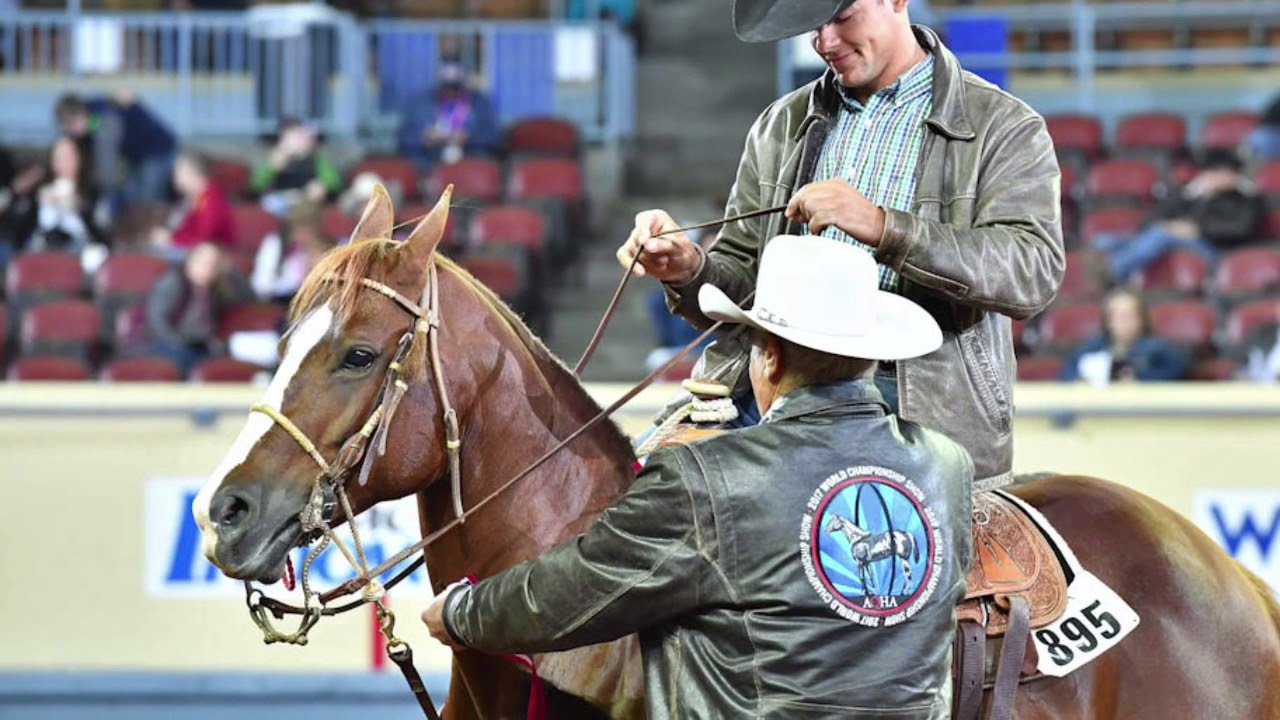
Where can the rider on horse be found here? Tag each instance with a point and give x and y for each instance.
(805, 567)
(949, 182)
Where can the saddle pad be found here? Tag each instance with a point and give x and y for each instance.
(1011, 556)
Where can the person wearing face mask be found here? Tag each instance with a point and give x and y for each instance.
(950, 183)
(450, 122)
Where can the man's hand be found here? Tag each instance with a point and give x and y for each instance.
(433, 616)
(671, 258)
(836, 202)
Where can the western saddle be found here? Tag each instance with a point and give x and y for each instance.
(1015, 585)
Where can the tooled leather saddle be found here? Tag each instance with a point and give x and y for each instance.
(1015, 585)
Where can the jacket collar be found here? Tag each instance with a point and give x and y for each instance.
(948, 114)
(852, 395)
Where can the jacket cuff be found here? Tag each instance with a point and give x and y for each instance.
(681, 291)
(896, 239)
(451, 600)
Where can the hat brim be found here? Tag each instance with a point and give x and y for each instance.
(902, 329)
(771, 20)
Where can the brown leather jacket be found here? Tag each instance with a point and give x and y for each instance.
(982, 244)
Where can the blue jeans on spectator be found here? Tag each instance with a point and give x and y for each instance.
(149, 181)
(1126, 256)
(185, 357)
(1264, 143)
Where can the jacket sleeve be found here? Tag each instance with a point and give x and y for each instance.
(638, 566)
(1011, 260)
(731, 260)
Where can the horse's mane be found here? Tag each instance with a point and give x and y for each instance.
(377, 259)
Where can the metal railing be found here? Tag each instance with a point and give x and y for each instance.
(235, 74)
(1084, 23)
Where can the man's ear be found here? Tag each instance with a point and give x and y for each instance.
(774, 359)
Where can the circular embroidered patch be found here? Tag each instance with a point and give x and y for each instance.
(870, 546)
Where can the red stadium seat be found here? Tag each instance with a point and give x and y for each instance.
(52, 369)
(1182, 173)
(224, 370)
(500, 274)
(1268, 179)
(336, 224)
(251, 317)
(1079, 281)
(1215, 370)
(1187, 322)
(555, 178)
(141, 369)
(1122, 220)
(1039, 369)
(545, 136)
(1069, 182)
(409, 215)
(1179, 272)
(1227, 130)
(1128, 178)
(43, 276)
(1076, 133)
(1248, 271)
(509, 224)
(128, 276)
(476, 179)
(232, 176)
(1249, 317)
(252, 225)
(392, 171)
(1063, 328)
(62, 327)
(1272, 230)
(1152, 131)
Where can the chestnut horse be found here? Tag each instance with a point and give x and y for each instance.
(1208, 645)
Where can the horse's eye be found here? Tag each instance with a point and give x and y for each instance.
(358, 359)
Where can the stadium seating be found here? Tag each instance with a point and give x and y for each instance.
(1249, 317)
(509, 224)
(1079, 282)
(1268, 179)
(1121, 220)
(557, 178)
(232, 176)
(501, 275)
(251, 317)
(141, 369)
(48, 368)
(252, 225)
(1163, 133)
(42, 276)
(1227, 130)
(224, 370)
(1247, 272)
(1178, 273)
(542, 136)
(1215, 370)
(392, 171)
(122, 281)
(473, 179)
(61, 327)
(1129, 180)
(1076, 133)
(1187, 322)
(1038, 369)
(336, 224)
(1064, 327)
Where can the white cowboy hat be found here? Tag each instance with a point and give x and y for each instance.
(824, 294)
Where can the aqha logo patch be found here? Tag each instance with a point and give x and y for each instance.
(871, 546)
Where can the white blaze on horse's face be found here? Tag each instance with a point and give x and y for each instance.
(303, 340)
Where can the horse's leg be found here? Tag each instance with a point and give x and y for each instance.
(1208, 645)
(486, 687)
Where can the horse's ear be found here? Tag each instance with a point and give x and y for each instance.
(378, 219)
(425, 238)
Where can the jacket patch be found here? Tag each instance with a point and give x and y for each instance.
(870, 546)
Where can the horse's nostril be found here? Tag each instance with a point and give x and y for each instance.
(229, 510)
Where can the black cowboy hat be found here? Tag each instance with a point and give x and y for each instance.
(770, 20)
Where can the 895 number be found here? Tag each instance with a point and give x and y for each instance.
(1075, 631)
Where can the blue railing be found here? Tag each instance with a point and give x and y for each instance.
(235, 74)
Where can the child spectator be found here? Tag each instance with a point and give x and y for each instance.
(450, 122)
(65, 205)
(186, 305)
(1126, 349)
(296, 170)
(131, 150)
(207, 218)
(281, 266)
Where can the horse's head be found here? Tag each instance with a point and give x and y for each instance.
(336, 367)
(835, 524)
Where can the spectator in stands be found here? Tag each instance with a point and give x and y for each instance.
(186, 305)
(451, 121)
(18, 210)
(130, 149)
(207, 218)
(1263, 144)
(1126, 349)
(280, 266)
(65, 208)
(296, 170)
(1261, 355)
(1219, 209)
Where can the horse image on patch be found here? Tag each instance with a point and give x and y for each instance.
(870, 546)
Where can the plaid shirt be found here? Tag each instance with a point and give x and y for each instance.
(876, 147)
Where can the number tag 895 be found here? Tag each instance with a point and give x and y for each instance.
(1095, 620)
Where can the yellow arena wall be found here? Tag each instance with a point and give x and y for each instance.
(102, 572)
